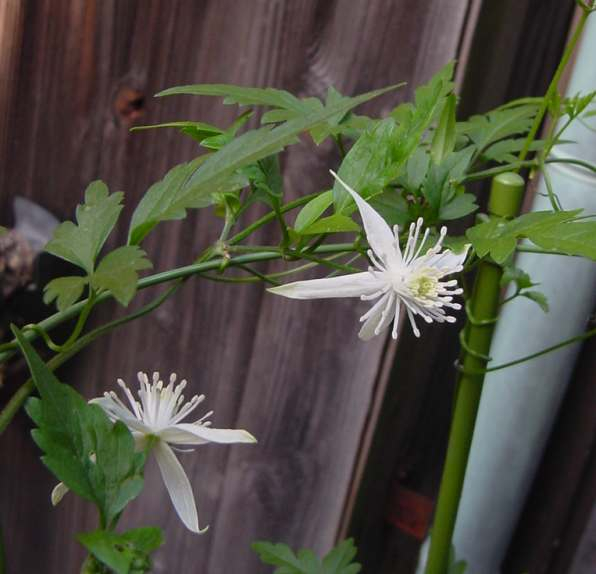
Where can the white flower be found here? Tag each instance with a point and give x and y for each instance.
(157, 418)
(395, 279)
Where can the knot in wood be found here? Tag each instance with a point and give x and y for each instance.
(129, 104)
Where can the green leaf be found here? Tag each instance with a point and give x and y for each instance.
(117, 272)
(537, 297)
(193, 185)
(460, 206)
(285, 105)
(91, 456)
(279, 555)
(379, 154)
(335, 223)
(428, 100)
(81, 243)
(366, 167)
(519, 276)
(498, 237)
(392, 207)
(198, 131)
(3, 230)
(570, 237)
(457, 243)
(439, 189)
(159, 203)
(125, 553)
(220, 140)
(338, 561)
(266, 179)
(416, 170)
(443, 141)
(498, 124)
(65, 290)
(243, 95)
(574, 106)
(504, 151)
(313, 210)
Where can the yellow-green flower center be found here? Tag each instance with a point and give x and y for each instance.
(423, 286)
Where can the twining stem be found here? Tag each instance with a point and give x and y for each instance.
(486, 173)
(576, 339)
(504, 201)
(554, 85)
(78, 329)
(20, 396)
(270, 217)
(57, 319)
(179, 275)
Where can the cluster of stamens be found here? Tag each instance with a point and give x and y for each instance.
(159, 406)
(413, 279)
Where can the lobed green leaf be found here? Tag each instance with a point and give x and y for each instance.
(498, 237)
(484, 130)
(379, 154)
(81, 243)
(368, 166)
(538, 297)
(117, 272)
(83, 449)
(192, 185)
(570, 237)
(126, 552)
(65, 290)
(338, 561)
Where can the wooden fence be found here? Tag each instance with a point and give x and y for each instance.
(75, 75)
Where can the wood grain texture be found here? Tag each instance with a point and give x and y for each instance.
(292, 373)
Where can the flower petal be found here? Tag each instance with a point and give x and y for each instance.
(449, 260)
(118, 414)
(380, 319)
(379, 234)
(178, 487)
(58, 493)
(352, 285)
(188, 433)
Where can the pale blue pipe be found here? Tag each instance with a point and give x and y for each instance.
(519, 405)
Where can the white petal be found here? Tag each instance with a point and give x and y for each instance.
(116, 413)
(352, 285)
(379, 234)
(376, 322)
(449, 260)
(58, 493)
(178, 486)
(188, 433)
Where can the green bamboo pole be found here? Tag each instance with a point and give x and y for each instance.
(505, 200)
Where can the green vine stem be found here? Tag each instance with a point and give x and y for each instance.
(9, 349)
(554, 84)
(576, 339)
(20, 396)
(533, 163)
(178, 275)
(504, 201)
